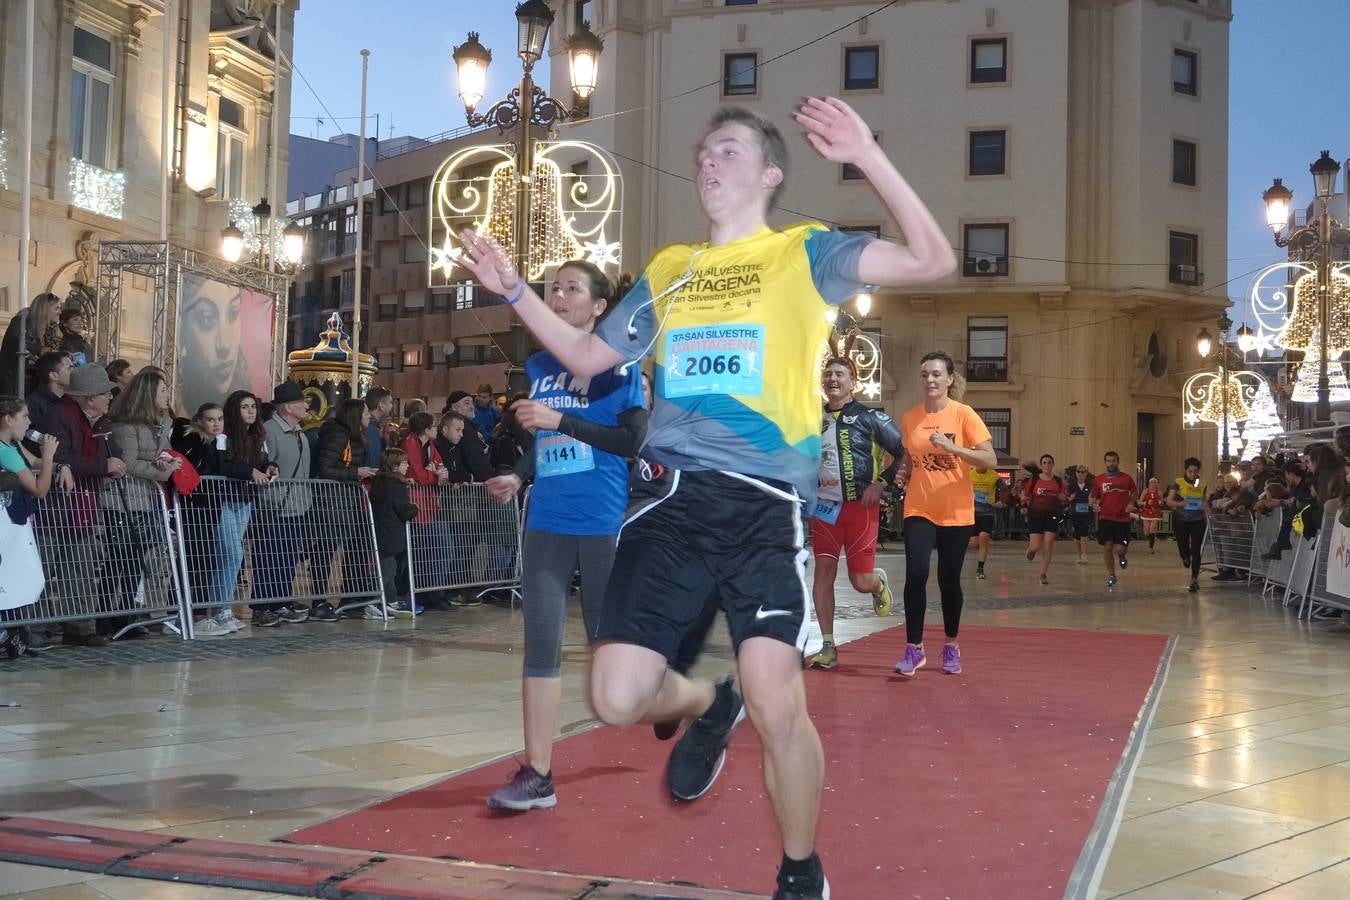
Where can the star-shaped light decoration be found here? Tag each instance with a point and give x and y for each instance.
(1190, 417)
(446, 256)
(602, 253)
(871, 390)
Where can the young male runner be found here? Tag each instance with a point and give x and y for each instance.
(989, 490)
(848, 500)
(738, 442)
(1113, 496)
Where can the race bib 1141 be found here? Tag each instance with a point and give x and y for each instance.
(558, 454)
(714, 359)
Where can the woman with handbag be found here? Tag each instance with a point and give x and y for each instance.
(201, 440)
(245, 463)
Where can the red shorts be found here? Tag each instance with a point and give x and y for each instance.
(854, 533)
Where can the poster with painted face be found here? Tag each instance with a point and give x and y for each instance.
(224, 342)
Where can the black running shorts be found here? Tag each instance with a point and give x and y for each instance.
(695, 538)
(1041, 522)
(1082, 526)
(1109, 532)
(984, 523)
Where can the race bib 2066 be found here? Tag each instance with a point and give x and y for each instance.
(715, 359)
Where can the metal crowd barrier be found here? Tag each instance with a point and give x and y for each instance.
(1267, 532)
(1319, 594)
(1301, 571)
(107, 553)
(1230, 539)
(463, 538)
(290, 541)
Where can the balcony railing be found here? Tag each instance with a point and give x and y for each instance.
(97, 190)
(987, 368)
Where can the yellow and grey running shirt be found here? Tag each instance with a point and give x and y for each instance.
(987, 487)
(1192, 496)
(737, 331)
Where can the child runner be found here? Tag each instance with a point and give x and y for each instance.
(1113, 496)
(584, 430)
(1150, 511)
(737, 448)
(1080, 509)
(988, 489)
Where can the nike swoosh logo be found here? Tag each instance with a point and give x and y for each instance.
(761, 613)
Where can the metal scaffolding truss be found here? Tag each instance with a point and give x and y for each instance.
(164, 264)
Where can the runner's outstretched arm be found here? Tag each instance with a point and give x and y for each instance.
(580, 352)
(840, 135)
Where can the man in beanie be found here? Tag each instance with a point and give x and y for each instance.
(473, 446)
(83, 448)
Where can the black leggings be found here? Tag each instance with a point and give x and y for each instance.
(921, 537)
(1189, 537)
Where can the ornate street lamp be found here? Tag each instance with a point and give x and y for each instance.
(1314, 241)
(527, 105)
(1246, 339)
(1204, 342)
(285, 253)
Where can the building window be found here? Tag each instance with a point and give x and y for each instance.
(986, 252)
(1185, 72)
(862, 68)
(414, 303)
(464, 295)
(873, 230)
(440, 302)
(581, 13)
(388, 200)
(417, 194)
(414, 251)
(1183, 163)
(91, 93)
(999, 423)
(987, 349)
(1183, 258)
(440, 356)
(739, 74)
(412, 357)
(231, 143)
(988, 60)
(385, 359)
(741, 2)
(387, 309)
(988, 153)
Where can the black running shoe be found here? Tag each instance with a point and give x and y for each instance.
(698, 756)
(803, 887)
(664, 731)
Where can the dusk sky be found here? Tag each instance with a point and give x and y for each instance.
(1282, 103)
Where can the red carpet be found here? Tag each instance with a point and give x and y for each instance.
(978, 785)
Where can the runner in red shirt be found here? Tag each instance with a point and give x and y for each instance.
(1113, 497)
(1150, 511)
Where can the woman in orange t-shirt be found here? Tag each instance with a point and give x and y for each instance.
(943, 439)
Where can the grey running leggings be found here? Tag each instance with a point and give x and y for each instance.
(548, 563)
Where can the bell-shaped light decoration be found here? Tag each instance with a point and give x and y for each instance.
(471, 65)
(583, 55)
(533, 20)
(1225, 401)
(293, 242)
(1277, 198)
(1302, 331)
(231, 242)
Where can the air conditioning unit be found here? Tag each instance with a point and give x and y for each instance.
(1188, 275)
(985, 264)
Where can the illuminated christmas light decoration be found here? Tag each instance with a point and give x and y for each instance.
(4, 161)
(1203, 397)
(572, 206)
(96, 189)
(851, 342)
(1294, 324)
(1305, 389)
(1262, 425)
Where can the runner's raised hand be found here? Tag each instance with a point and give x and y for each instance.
(486, 259)
(837, 132)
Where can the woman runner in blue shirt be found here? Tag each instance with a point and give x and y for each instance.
(584, 428)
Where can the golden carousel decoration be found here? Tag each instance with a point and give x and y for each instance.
(324, 371)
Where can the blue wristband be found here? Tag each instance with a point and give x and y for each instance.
(515, 295)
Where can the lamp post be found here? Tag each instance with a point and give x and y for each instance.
(1204, 343)
(292, 241)
(527, 104)
(1314, 240)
